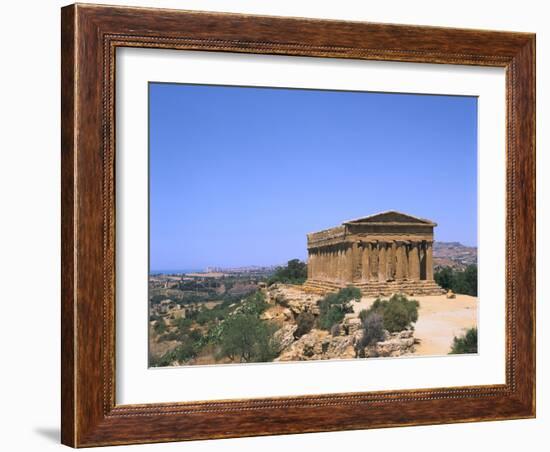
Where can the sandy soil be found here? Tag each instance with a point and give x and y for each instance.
(439, 321)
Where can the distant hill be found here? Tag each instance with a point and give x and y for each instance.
(454, 254)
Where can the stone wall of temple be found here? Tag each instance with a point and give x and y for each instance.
(363, 261)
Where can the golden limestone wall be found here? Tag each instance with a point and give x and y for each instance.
(364, 261)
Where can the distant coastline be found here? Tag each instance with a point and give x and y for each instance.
(176, 271)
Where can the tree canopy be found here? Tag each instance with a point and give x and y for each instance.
(295, 272)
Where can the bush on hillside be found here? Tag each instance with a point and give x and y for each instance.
(466, 343)
(333, 307)
(246, 338)
(398, 313)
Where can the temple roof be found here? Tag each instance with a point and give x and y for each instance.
(391, 216)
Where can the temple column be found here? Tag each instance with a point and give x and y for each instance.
(391, 261)
(345, 264)
(422, 252)
(318, 263)
(365, 262)
(399, 261)
(374, 256)
(407, 270)
(429, 261)
(382, 261)
(309, 264)
(414, 262)
(355, 262)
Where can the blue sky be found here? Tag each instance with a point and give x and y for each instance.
(239, 175)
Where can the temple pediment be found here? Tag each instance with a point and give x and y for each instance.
(391, 217)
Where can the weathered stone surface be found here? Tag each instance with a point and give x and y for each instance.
(285, 335)
(293, 298)
(318, 345)
(277, 313)
(397, 344)
(351, 325)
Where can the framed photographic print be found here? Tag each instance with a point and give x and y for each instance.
(281, 225)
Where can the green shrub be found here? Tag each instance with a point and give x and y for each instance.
(373, 329)
(398, 313)
(466, 281)
(305, 322)
(159, 361)
(334, 306)
(466, 343)
(445, 278)
(195, 335)
(350, 293)
(246, 338)
(363, 315)
(183, 324)
(254, 304)
(295, 272)
(160, 326)
(185, 351)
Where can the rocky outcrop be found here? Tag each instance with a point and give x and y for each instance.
(285, 335)
(293, 298)
(318, 345)
(396, 344)
(289, 302)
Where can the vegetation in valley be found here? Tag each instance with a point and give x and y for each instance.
(230, 331)
(459, 281)
(245, 338)
(295, 272)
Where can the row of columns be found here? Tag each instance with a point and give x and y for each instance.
(372, 261)
(331, 263)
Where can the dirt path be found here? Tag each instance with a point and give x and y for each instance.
(439, 321)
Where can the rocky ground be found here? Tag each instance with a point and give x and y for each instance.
(288, 302)
(440, 319)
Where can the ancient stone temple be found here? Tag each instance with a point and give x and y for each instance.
(385, 253)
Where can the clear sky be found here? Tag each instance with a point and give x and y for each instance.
(239, 175)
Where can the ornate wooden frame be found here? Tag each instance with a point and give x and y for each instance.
(90, 35)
